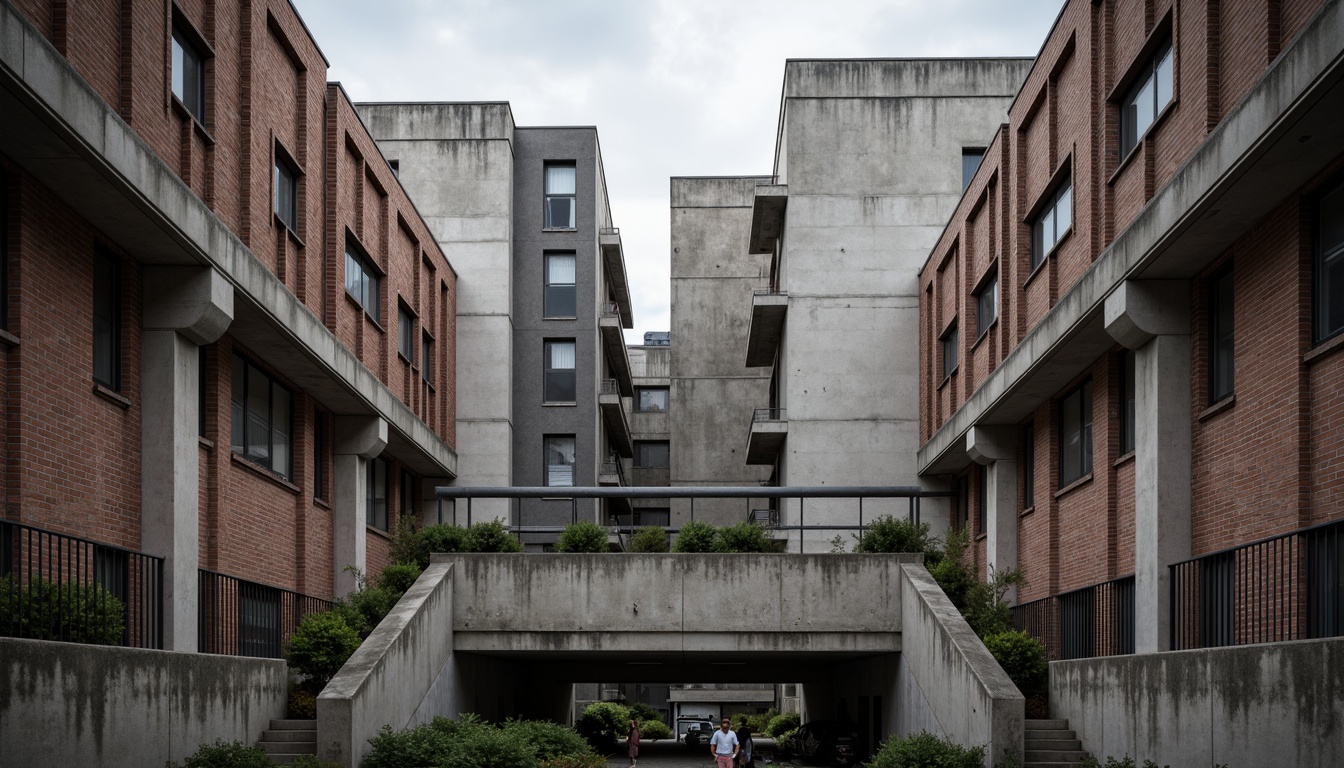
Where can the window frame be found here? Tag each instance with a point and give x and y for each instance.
(1128, 401)
(1086, 457)
(370, 275)
(989, 285)
(547, 372)
(1130, 137)
(267, 462)
(547, 196)
(405, 333)
(548, 287)
(372, 500)
(1321, 260)
(427, 358)
(1048, 207)
(1223, 278)
(950, 337)
(639, 458)
(406, 495)
(546, 442)
(285, 161)
(104, 258)
(982, 500)
(1029, 466)
(968, 152)
(5, 213)
(182, 35)
(320, 440)
(639, 399)
(962, 514)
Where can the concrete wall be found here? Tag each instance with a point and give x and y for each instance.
(1276, 704)
(68, 704)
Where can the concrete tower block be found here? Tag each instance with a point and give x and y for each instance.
(358, 439)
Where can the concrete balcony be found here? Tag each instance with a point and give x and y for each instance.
(611, 473)
(768, 309)
(613, 259)
(610, 324)
(611, 403)
(767, 217)
(769, 429)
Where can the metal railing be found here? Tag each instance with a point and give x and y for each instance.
(611, 387)
(609, 231)
(766, 518)
(612, 309)
(613, 466)
(237, 617)
(1285, 587)
(769, 414)
(1082, 623)
(47, 583)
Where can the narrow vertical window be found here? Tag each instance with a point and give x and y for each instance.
(262, 418)
(405, 335)
(408, 495)
(1075, 434)
(4, 251)
(286, 191)
(559, 460)
(950, 343)
(427, 359)
(1221, 346)
(1127, 401)
(560, 189)
(106, 320)
(559, 298)
(987, 304)
(319, 455)
(1053, 222)
(1029, 466)
(376, 510)
(1329, 263)
(982, 480)
(963, 516)
(188, 73)
(971, 157)
(558, 373)
(200, 390)
(363, 282)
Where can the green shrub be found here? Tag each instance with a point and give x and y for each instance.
(550, 740)
(424, 745)
(412, 546)
(987, 609)
(320, 647)
(484, 746)
(575, 761)
(781, 724)
(584, 536)
(949, 568)
(654, 729)
(760, 722)
(639, 712)
(695, 536)
(925, 749)
(896, 534)
(1022, 658)
(743, 537)
(364, 608)
(48, 610)
(227, 754)
(398, 577)
(407, 546)
(312, 761)
(491, 536)
(301, 704)
(650, 538)
(602, 723)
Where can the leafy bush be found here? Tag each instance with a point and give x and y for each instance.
(639, 712)
(760, 722)
(364, 608)
(398, 577)
(491, 536)
(227, 754)
(466, 742)
(781, 724)
(424, 745)
(987, 609)
(410, 545)
(320, 647)
(925, 749)
(650, 538)
(949, 569)
(302, 703)
(483, 746)
(743, 537)
(695, 536)
(48, 610)
(576, 761)
(654, 729)
(894, 534)
(313, 761)
(583, 536)
(550, 740)
(602, 723)
(1022, 657)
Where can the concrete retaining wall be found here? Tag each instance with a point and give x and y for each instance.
(82, 705)
(1275, 704)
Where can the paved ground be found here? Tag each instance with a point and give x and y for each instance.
(670, 754)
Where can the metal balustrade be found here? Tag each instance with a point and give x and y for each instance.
(237, 617)
(1082, 623)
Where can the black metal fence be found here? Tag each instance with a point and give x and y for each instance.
(1082, 623)
(243, 618)
(1286, 587)
(59, 587)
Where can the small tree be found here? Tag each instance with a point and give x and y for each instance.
(743, 537)
(1023, 658)
(893, 534)
(320, 647)
(491, 536)
(583, 536)
(602, 723)
(650, 538)
(695, 536)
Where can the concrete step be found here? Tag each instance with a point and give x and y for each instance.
(288, 747)
(1052, 743)
(293, 725)
(1034, 757)
(1033, 733)
(1056, 723)
(285, 759)
(289, 735)
(1030, 764)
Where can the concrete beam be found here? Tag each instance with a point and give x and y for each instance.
(358, 439)
(363, 436)
(197, 302)
(1137, 311)
(986, 445)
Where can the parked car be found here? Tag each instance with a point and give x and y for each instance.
(699, 733)
(823, 742)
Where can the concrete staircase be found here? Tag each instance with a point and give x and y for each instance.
(286, 740)
(1050, 744)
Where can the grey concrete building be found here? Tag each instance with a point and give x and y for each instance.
(651, 429)
(544, 386)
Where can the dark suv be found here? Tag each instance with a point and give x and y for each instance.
(824, 742)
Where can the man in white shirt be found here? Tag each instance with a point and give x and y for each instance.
(723, 745)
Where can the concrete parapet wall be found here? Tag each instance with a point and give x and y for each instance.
(395, 678)
(1274, 704)
(85, 705)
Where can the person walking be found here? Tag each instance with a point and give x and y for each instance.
(632, 742)
(745, 746)
(723, 746)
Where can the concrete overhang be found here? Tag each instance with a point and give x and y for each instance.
(1287, 129)
(721, 646)
(610, 473)
(611, 403)
(765, 439)
(613, 257)
(711, 695)
(618, 355)
(767, 327)
(767, 217)
(60, 131)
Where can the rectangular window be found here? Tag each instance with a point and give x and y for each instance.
(558, 372)
(1075, 434)
(375, 513)
(1221, 346)
(408, 495)
(987, 304)
(963, 511)
(982, 480)
(651, 399)
(405, 335)
(1029, 466)
(1050, 225)
(1329, 258)
(971, 158)
(363, 282)
(188, 73)
(4, 251)
(261, 421)
(1127, 388)
(560, 188)
(559, 461)
(200, 391)
(950, 343)
(286, 191)
(1146, 99)
(652, 453)
(559, 300)
(659, 516)
(427, 359)
(319, 455)
(106, 319)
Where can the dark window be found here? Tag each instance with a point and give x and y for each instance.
(4, 251)
(962, 516)
(1075, 434)
(319, 455)
(558, 372)
(427, 359)
(987, 304)
(652, 453)
(188, 73)
(200, 391)
(1146, 98)
(651, 399)
(970, 163)
(1330, 264)
(408, 495)
(363, 282)
(653, 516)
(1050, 225)
(982, 480)
(1221, 347)
(949, 345)
(260, 413)
(375, 514)
(1127, 387)
(395, 165)
(559, 460)
(106, 319)
(1029, 466)
(286, 191)
(559, 299)
(560, 187)
(405, 335)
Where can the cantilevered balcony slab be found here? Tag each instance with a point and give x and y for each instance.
(767, 217)
(767, 327)
(613, 413)
(613, 259)
(769, 430)
(611, 473)
(613, 342)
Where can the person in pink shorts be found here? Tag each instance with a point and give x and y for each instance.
(723, 746)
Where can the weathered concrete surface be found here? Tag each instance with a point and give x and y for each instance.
(83, 705)
(395, 678)
(1254, 705)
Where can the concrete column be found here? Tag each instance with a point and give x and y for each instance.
(1153, 318)
(996, 448)
(183, 307)
(358, 439)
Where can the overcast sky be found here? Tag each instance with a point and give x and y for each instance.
(675, 87)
